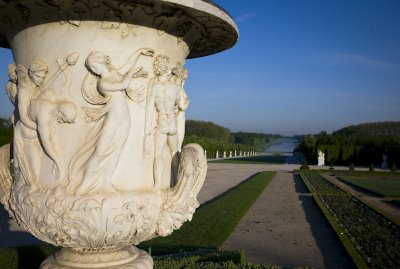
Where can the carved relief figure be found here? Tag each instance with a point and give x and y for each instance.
(105, 86)
(47, 111)
(27, 147)
(163, 102)
(11, 88)
(179, 77)
(38, 112)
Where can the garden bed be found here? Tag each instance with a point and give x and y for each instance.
(364, 232)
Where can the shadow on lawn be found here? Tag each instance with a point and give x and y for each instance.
(333, 252)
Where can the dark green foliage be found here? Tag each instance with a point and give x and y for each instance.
(6, 132)
(393, 168)
(331, 166)
(307, 147)
(360, 144)
(351, 167)
(371, 167)
(387, 128)
(213, 138)
(209, 130)
(319, 184)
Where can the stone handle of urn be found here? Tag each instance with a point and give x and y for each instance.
(180, 202)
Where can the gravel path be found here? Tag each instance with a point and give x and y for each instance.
(286, 228)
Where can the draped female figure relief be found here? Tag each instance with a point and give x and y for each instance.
(105, 87)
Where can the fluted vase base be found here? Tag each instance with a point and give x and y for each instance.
(128, 257)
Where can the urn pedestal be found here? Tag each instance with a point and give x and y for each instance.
(98, 88)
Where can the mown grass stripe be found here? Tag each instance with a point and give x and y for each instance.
(216, 220)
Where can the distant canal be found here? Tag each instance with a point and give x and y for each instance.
(282, 146)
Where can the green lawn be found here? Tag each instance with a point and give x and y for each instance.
(385, 185)
(214, 221)
(254, 159)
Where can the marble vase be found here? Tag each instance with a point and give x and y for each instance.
(97, 164)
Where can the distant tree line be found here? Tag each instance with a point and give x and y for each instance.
(257, 140)
(362, 144)
(6, 132)
(213, 137)
(208, 130)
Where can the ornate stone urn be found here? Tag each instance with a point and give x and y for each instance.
(98, 88)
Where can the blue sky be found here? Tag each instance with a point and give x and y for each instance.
(300, 66)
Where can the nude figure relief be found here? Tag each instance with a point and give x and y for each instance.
(38, 111)
(164, 100)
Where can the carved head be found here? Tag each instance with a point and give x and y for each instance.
(161, 65)
(180, 71)
(97, 62)
(66, 112)
(12, 73)
(38, 71)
